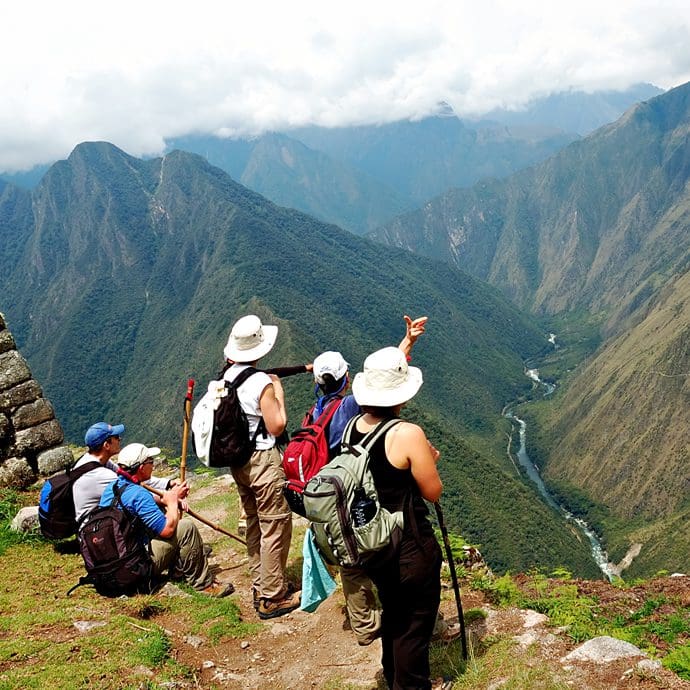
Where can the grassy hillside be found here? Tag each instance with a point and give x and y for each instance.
(613, 440)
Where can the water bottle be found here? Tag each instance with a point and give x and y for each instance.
(363, 508)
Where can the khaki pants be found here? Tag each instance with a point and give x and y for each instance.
(182, 554)
(269, 521)
(362, 607)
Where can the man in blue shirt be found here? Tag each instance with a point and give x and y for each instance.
(175, 543)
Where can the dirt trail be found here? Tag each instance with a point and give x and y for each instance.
(317, 650)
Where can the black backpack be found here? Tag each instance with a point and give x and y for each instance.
(56, 515)
(116, 560)
(231, 445)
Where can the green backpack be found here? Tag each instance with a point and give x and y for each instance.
(350, 527)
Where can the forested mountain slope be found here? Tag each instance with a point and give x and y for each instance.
(620, 431)
(599, 225)
(600, 228)
(129, 274)
(291, 174)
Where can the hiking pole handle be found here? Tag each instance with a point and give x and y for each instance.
(185, 427)
(453, 577)
(200, 518)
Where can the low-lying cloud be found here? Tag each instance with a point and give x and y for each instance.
(138, 73)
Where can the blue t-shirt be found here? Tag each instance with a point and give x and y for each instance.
(347, 410)
(139, 502)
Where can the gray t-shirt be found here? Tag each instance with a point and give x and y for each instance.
(87, 490)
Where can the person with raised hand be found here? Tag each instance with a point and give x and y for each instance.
(403, 465)
(332, 376)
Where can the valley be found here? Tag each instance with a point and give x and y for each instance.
(120, 277)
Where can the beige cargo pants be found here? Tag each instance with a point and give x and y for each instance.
(269, 521)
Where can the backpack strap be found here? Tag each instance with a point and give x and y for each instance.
(324, 419)
(241, 377)
(236, 383)
(74, 474)
(117, 498)
(368, 441)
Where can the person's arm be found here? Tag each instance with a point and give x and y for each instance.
(272, 404)
(408, 446)
(414, 328)
(282, 372)
(171, 500)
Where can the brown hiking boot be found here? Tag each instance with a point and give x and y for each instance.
(270, 608)
(218, 589)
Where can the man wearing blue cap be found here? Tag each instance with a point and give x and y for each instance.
(103, 442)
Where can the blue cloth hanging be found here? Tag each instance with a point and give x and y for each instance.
(317, 583)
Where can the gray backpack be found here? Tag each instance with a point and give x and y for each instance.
(350, 527)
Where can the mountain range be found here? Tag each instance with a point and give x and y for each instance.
(575, 111)
(121, 278)
(598, 233)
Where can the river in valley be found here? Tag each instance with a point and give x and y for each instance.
(598, 552)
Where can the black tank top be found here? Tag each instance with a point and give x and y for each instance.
(394, 486)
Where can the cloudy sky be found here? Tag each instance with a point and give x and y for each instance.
(136, 73)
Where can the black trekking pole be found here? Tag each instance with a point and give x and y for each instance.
(453, 577)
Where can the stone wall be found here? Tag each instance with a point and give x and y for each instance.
(31, 439)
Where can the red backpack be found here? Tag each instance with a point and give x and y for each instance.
(306, 453)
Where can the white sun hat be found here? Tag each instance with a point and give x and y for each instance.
(135, 454)
(386, 380)
(250, 340)
(332, 363)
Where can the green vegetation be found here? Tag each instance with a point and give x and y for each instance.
(678, 661)
(85, 640)
(233, 252)
(660, 626)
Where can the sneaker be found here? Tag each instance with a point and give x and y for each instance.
(269, 608)
(218, 589)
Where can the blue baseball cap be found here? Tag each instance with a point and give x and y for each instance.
(100, 432)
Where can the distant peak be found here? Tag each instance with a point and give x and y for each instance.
(444, 109)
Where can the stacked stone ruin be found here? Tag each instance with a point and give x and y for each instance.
(31, 439)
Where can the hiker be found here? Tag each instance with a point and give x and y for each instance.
(331, 373)
(280, 372)
(260, 481)
(177, 546)
(403, 465)
(103, 442)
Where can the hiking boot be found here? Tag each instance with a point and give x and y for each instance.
(269, 608)
(218, 589)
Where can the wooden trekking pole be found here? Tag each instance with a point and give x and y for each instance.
(185, 427)
(453, 577)
(200, 518)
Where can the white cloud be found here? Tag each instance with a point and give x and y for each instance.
(135, 73)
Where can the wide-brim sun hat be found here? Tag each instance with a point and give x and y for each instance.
(386, 379)
(250, 340)
(135, 454)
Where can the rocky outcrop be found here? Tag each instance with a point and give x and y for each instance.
(31, 439)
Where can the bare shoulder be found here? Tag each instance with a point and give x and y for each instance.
(408, 430)
(406, 435)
